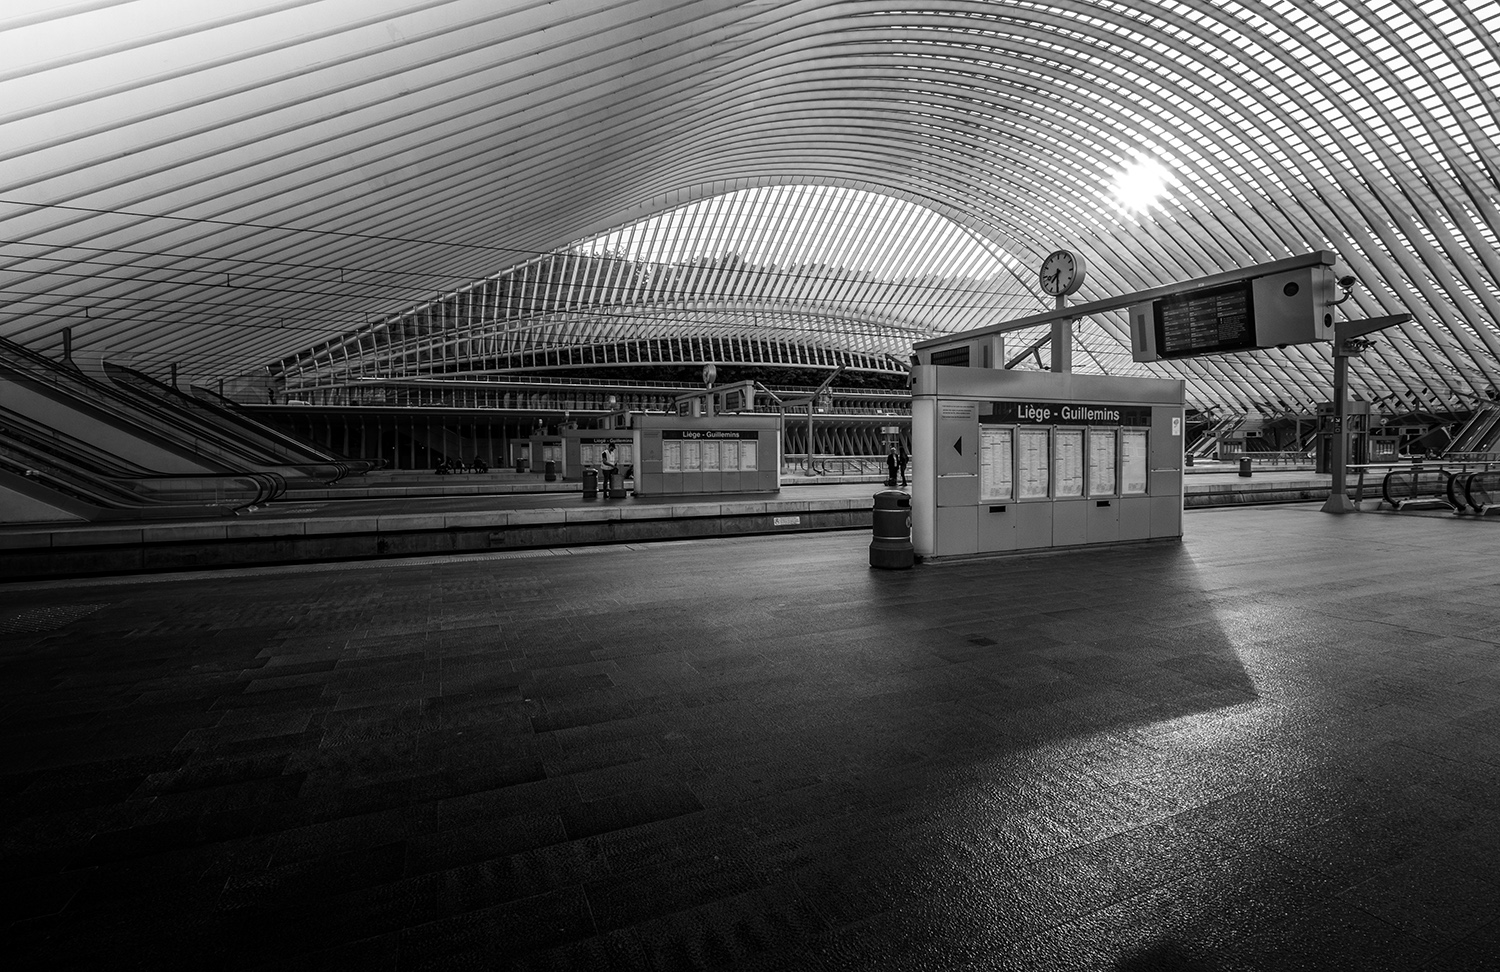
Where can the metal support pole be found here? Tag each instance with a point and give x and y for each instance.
(1338, 496)
(1347, 342)
(810, 403)
(1062, 342)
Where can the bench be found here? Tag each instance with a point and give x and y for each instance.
(1419, 488)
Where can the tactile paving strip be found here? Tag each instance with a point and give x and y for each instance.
(45, 619)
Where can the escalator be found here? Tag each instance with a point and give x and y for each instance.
(44, 469)
(229, 414)
(74, 447)
(1479, 435)
(230, 443)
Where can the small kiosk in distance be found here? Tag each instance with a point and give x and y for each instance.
(703, 448)
(584, 448)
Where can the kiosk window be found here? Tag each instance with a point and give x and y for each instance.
(996, 461)
(1069, 463)
(1101, 462)
(1132, 461)
(1033, 462)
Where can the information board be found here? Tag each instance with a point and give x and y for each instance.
(1205, 322)
(671, 456)
(692, 456)
(1069, 463)
(749, 456)
(1132, 462)
(1101, 463)
(1033, 462)
(996, 460)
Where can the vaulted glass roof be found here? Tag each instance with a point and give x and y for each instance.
(247, 185)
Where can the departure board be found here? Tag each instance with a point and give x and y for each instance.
(1205, 322)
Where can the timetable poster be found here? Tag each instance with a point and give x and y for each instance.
(1101, 462)
(692, 456)
(1132, 462)
(671, 456)
(710, 453)
(1034, 459)
(1069, 462)
(749, 456)
(996, 459)
(729, 456)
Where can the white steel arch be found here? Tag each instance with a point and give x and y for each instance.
(252, 182)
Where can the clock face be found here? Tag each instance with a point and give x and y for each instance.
(1062, 273)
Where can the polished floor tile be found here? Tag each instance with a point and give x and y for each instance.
(1275, 745)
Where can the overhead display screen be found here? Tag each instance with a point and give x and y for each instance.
(1205, 322)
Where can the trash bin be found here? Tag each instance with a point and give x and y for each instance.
(891, 547)
(1245, 466)
(1188, 458)
(551, 471)
(591, 483)
(521, 465)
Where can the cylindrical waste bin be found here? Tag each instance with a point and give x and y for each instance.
(521, 464)
(551, 471)
(591, 483)
(1245, 466)
(891, 547)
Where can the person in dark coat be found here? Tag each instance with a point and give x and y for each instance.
(901, 460)
(891, 462)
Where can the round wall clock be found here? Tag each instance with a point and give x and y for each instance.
(1062, 273)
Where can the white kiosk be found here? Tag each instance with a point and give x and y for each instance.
(1022, 460)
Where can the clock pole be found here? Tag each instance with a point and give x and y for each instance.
(1060, 262)
(1062, 341)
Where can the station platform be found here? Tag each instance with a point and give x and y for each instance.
(1274, 745)
(440, 515)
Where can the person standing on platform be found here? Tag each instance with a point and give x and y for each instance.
(609, 464)
(901, 460)
(890, 463)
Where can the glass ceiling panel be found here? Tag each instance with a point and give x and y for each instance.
(269, 184)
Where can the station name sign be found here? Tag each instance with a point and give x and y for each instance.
(691, 435)
(1066, 413)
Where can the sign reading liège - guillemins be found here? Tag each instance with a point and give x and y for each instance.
(1066, 413)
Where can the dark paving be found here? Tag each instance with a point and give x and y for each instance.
(1273, 746)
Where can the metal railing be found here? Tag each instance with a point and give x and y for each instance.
(796, 464)
(1262, 458)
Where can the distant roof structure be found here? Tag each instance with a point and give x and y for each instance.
(307, 187)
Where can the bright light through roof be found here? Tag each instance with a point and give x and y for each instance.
(1141, 185)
